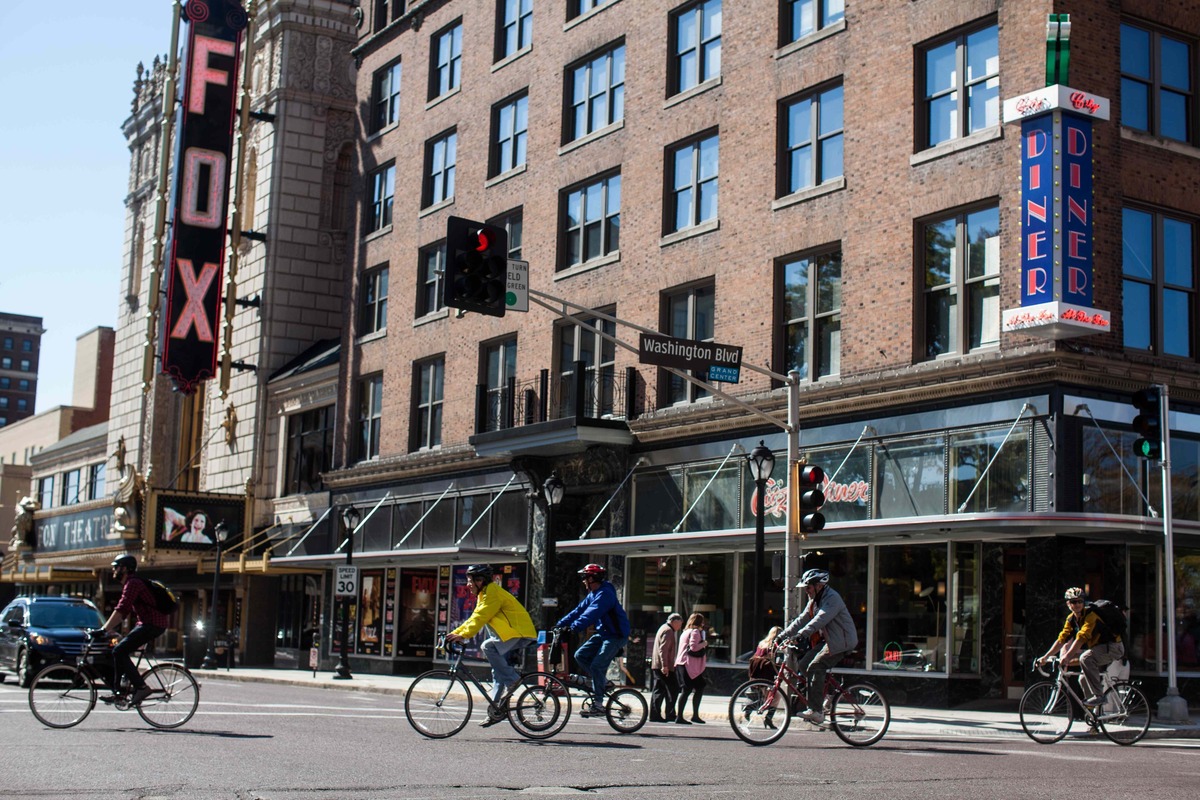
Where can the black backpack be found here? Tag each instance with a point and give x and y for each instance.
(1113, 618)
(164, 599)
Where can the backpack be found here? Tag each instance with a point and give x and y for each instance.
(1114, 620)
(164, 599)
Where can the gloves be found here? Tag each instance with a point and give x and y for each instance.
(98, 633)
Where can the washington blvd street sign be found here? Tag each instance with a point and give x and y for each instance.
(718, 362)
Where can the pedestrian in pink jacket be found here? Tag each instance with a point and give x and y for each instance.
(690, 663)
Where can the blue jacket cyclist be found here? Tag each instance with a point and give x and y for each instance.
(602, 611)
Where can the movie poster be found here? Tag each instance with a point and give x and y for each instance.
(389, 612)
(370, 612)
(418, 604)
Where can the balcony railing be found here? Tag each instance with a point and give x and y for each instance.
(584, 393)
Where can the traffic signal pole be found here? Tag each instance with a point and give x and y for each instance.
(1172, 707)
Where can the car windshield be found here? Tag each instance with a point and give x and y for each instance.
(63, 615)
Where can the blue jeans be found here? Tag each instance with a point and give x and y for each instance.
(496, 652)
(593, 658)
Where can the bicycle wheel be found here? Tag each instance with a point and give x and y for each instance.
(1128, 723)
(61, 696)
(438, 704)
(174, 695)
(860, 715)
(758, 712)
(1045, 712)
(626, 710)
(540, 706)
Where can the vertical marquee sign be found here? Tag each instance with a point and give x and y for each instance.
(201, 190)
(1057, 161)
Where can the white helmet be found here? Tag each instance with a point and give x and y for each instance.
(813, 576)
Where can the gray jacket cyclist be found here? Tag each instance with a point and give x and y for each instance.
(825, 620)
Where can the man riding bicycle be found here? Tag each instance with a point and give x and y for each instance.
(602, 611)
(138, 601)
(510, 625)
(826, 616)
(1085, 630)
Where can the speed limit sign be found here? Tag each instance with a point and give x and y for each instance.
(345, 582)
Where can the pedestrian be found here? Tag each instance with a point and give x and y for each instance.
(762, 663)
(662, 666)
(690, 663)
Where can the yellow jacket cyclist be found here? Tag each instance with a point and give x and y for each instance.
(510, 624)
(1085, 630)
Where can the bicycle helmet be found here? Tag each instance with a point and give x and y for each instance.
(479, 571)
(593, 571)
(127, 561)
(1074, 593)
(813, 576)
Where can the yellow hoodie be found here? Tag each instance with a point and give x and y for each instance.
(499, 610)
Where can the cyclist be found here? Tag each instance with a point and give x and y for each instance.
(138, 602)
(827, 617)
(510, 626)
(602, 611)
(1085, 629)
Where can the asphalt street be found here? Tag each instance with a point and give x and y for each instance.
(254, 740)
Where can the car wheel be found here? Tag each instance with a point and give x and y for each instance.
(24, 669)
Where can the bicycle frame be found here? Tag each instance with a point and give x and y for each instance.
(1062, 683)
(798, 682)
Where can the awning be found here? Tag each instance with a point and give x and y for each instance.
(427, 557)
(54, 573)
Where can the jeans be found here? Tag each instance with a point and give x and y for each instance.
(496, 652)
(122, 655)
(593, 658)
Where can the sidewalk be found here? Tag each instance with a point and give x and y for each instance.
(997, 721)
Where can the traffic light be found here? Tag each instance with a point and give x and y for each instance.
(476, 267)
(809, 497)
(1148, 423)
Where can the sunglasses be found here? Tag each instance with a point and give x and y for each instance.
(1074, 602)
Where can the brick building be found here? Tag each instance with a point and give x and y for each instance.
(20, 347)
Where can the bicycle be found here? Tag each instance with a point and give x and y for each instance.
(625, 708)
(1047, 708)
(759, 710)
(63, 694)
(438, 703)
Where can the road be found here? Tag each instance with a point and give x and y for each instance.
(251, 741)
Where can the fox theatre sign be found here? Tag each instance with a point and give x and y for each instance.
(201, 190)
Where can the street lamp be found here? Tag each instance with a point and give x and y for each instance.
(210, 658)
(553, 489)
(762, 463)
(350, 519)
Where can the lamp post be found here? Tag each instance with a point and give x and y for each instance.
(350, 519)
(762, 463)
(553, 489)
(210, 657)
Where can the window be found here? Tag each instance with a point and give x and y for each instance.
(385, 97)
(499, 364)
(3, 402)
(812, 135)
(309, 450)
(71, 486)
(383, 188)
(510, 124)
(511, 222)
(372, 312)
(5, 363)
(577, 8)
(514, 27)
(429, 290)
(599, 355)
(27, 345)
(428, 417)
(692, 170)
(96, 481)
(5, 383)
(696, 45)
(688, 315)
(8, 343)
(370, 415)
(440, 155)
(22, 404)
(593, 220)
(46, 492)
(810, 292)
(445, 73)
(1158, 266)
(961, 86)
(799, 18)
(22, 384)
(25, 365)
(1156, 83)
(961, 260)
(597, 91)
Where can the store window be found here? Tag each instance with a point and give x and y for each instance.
(964, 610)
(510, 515)
(1105, 477)
(989, 473)
(657, 501)
(1144, 610)
(706, 587)
(847, 567)
(750, 631)
(1187, 608)
(910, 476)
(911, 588)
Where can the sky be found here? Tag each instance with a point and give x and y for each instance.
(66, 82)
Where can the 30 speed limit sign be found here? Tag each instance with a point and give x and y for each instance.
(345, 582)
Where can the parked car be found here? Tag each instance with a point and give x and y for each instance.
(36, 631)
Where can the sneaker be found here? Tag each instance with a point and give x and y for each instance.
(111, 698)
(815, 717)
(139, 695)
(591, 710)
(492, 719)
(1094, 700)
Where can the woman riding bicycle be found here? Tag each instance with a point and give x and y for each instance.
(825, 616)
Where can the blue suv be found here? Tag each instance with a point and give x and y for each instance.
(36, 631)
